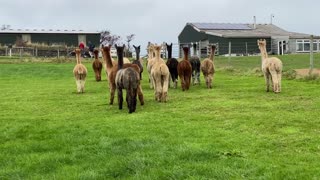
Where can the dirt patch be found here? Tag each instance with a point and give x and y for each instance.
(305, 72)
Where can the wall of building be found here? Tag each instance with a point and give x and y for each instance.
(6, 39)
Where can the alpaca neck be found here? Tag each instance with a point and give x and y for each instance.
(157, 54)
(96, 55)
(107, 58)
(169, 53)
(78, 59)
(264, 54)
(186, 55)
(120, 59)
(137, 55)
(212, 53)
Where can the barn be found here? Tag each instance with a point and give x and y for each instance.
(241, 39)
(49, 37)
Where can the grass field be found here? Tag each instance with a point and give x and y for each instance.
(234, 131)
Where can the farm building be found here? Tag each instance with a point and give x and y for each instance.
(49, 37)
(241, 39)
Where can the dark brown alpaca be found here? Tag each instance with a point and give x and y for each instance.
(112, 70)
(80, 73)
(138, 61)
(172, 64)
(97, 65)
(127, 79)
(207, 68)
(185, 70)
(195, 64)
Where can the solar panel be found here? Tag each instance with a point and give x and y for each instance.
(221, 26)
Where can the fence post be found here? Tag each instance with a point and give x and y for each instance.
(58, 53)
(20, 52)
(229, 58)
(36, 52)
(6, 51)
(311, 55)
(246, 48)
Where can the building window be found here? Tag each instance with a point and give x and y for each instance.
(304, 45)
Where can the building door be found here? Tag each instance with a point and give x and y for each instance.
(82, 38)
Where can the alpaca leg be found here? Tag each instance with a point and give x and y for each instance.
(267, 81)
(140, 95)
(175, 83)
(210, 81)
(165, 90)
(279, 82)
(158, 88)
(274, 77)
(188, 82)
(78, 85)
(112, 91)
(132, 100)
(182, 83)
(120, 98)
(82, 82)
(193, 77)
(151, 82)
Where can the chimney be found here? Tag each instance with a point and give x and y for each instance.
(254, 22)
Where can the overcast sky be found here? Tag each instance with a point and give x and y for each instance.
(154, 20)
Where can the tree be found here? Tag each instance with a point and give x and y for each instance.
(106, 38)
(5, 27)
(129, 39)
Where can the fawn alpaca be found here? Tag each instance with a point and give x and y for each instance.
(207, 67)
(138, 61)
(172, 64)
(97, 65)
(127, 79)
(160, 76)
(80, 73)
(112, 71)
(185, 70)
(271, 68)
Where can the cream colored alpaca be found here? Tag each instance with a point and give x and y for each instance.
(208, 69)
(80, 73)
(271, 68)
(160, 75)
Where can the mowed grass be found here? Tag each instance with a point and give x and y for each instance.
(234, 131)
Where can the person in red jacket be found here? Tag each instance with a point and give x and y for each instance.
(81, 46)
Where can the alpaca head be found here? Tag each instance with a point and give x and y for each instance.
(186, 52)
(137, 49)
(157, 50)
(213, 47)
(262, 43)
(120, 50)
(96, 53)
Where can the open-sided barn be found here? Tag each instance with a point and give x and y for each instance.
(241, 39)
(49, 37)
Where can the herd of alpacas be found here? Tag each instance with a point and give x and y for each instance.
(122, 74)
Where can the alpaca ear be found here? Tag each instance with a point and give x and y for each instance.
(134, 46)
(116, 46)
(171, 44)
(139, 47)
(110, 46)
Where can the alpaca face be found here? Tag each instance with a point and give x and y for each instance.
(262, 43)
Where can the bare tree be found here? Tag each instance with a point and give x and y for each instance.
(5, 27)
(129, 39)
(107, 38)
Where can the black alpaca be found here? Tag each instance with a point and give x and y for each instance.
(137, 61)
(195, 63)
(127, 79)
(172, 64)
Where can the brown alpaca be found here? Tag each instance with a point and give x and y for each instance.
(271, 68)
(207, 67)
(112, 71)
(107, 66)
(80, 73)
(97, 65)
(185, 70)
(160, 76)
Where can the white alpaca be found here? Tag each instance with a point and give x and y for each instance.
(271, 68)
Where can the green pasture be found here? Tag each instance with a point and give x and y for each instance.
(234, 131)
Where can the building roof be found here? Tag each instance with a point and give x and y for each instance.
(46, 31)
(229, 30)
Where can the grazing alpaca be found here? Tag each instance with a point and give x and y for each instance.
(150, 63)
(160, 75)
(185, 70)
(271, 68)
(112, 71)
(80, 73)
(172, 64)
(97, 66)
(207, 68)
(195, 64)
(128, 79)
(138, 60)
